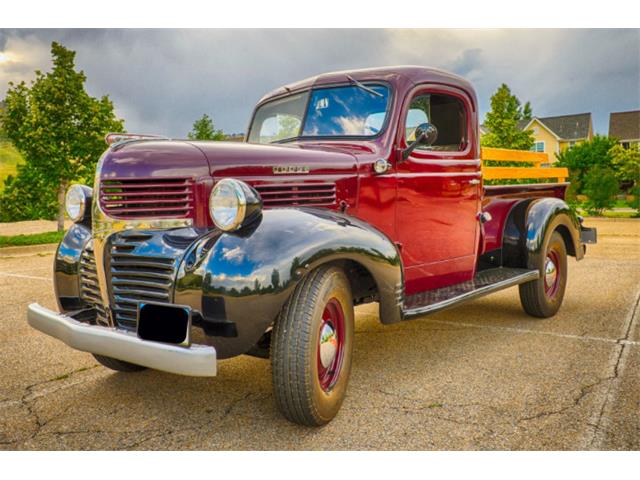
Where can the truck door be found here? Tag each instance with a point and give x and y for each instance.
(439, 186)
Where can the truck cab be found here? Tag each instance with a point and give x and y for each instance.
(351, 187)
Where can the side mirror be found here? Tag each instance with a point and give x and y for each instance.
(426, 134)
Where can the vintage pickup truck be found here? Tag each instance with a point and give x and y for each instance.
(351, 187)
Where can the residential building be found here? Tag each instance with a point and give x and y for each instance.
(553, 135)
(625, 127)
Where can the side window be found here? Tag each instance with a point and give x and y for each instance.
(448, 115)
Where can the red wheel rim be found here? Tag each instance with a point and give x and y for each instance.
(330, 348)
(551, 273)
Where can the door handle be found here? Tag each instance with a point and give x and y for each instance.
(474, 181)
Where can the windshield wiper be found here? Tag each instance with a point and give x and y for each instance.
(286, 140)
(364, 87)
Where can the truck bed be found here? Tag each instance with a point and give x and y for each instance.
(504, 164)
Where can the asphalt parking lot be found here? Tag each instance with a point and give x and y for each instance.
(481, 376)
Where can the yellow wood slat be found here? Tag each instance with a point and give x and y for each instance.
(506, 155)
(497, 173)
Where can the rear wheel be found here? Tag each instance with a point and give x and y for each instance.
(543, 297)
(311, 348)
(118, 365)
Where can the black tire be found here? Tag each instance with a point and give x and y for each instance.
(539, 298)
(118, 365)
(306, 391)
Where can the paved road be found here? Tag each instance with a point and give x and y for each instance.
(482, 376)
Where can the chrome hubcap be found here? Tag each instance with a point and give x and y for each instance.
(550, 273)
(328, 345)
(330, 350)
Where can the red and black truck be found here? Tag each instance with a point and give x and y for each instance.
(351, 187)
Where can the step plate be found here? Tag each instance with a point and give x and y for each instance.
(483, 283)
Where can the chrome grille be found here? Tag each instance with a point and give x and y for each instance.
(288, 194)
(136, 278)
(147, 197)
(89, 289)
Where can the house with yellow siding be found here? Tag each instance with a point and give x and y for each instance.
(553, 135)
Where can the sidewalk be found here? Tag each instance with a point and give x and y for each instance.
(30, 226)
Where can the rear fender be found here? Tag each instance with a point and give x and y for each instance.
(528, 224)
(239, 282)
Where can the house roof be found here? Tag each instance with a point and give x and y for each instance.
(625, 125)
(566, 127)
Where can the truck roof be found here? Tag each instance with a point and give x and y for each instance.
(411, 74)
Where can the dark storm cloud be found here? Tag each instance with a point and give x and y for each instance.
(467, 62)
(161, 80)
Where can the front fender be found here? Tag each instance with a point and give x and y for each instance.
(66, 267)
(240, 281)
(528, 224)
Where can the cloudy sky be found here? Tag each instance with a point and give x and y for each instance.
(162, 80)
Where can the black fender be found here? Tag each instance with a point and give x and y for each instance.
(66, 282)
(240, 281)
(528, 224)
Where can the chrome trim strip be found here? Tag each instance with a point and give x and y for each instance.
(196, 360)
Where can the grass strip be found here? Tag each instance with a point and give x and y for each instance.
(31, 239)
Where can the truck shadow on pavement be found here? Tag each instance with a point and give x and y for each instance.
(419, 366)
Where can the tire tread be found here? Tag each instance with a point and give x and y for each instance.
(293, 390)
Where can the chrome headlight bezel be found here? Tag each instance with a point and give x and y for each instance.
(77, 202)
(247, 206)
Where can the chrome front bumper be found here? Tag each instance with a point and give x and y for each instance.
(196, 360)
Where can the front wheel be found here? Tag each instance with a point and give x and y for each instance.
(311, 348)
(542, 297)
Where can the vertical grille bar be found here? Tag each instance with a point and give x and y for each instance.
(89, 288)
(136, 278)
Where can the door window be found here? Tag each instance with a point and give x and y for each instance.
(446, 113)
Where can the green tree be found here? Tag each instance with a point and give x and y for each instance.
(527, 113)
(503, 119)
(626, 162)
(203, 130)
(601, 186)
(288, 127)
(59, 129)
(275, 279)
(585, 156)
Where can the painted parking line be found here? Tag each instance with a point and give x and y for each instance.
(603, 415)
(587, 338)
(30, 277)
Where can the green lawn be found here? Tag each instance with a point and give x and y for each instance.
(9, 160)
(32, 239)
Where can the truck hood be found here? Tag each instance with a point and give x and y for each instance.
(158, 159)
(233, 159)
(153, 159)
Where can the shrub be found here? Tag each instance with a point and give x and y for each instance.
(584, 157)
(635, 203)
(601, 185)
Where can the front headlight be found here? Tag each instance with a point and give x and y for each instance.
(77, 202)
(233, 204)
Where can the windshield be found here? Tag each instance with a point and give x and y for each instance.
(323, 112)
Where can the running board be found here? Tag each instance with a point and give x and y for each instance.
(485, 282)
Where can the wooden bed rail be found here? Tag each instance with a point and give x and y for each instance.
(532, 169)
